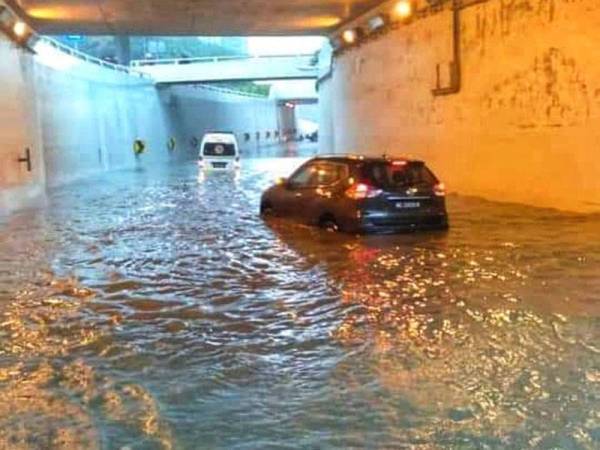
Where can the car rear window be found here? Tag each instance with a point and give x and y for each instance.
(217, 149)
(399, 174)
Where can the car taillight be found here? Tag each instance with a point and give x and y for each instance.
(439, 189)
(359, 191)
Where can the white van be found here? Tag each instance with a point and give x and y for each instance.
(219, 150)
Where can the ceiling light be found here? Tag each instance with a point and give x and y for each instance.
(19, 28)
(349, 36)
(377, 22)
(403, 9)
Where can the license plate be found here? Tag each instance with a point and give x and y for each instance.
(406, 205)
(219, 165)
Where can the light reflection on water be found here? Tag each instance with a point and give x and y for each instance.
(150, 310)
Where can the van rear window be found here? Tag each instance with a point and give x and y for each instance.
(216, 149)
(389, 175)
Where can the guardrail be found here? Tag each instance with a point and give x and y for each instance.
(212, 59)
(131, 71)
(90, 59)
(27, 37)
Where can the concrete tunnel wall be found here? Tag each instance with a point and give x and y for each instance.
(523, 128)
(80, 119)
(19, 130)
(197, 109)
(90, 118)
(77, 118)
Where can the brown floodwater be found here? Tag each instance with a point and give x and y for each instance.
(151, 309)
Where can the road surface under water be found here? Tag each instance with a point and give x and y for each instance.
(149, 309)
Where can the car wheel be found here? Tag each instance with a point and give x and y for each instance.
(328, 223)
(266, 209)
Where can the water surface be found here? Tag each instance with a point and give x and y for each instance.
(149, 309)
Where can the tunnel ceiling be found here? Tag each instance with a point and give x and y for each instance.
(190, 17)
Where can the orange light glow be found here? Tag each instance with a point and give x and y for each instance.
(47, 13)
(41, 13)
(360, 191)
(63, 12)
(440, 189)
(403, 9)
(317, 22)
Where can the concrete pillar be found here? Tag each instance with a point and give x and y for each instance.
(123, 49)
(287, 120)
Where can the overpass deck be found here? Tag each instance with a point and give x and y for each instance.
(230, 68)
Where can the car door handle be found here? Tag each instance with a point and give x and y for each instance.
(298, 194)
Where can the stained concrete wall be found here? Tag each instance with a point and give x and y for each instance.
(524, 127)
(18, 130)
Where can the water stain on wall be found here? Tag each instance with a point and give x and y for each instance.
(551, 92)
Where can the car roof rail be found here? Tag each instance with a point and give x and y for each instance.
(341, 155)
(367, 158)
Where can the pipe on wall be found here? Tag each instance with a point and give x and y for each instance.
(455, 65)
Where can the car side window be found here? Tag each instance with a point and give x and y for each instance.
(305, 177)
(329, 174)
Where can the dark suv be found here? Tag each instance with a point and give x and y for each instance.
(360, 194)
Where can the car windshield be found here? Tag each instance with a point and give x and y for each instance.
(399, 174)
(218, 149)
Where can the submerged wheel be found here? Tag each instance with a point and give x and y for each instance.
(266, 209)
(328, 223)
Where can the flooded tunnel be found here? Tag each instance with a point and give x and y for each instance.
(145, 303)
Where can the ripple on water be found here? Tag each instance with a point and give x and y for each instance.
(178, 317)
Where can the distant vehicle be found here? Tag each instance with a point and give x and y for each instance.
(307, 129)
(359, 194)
(219, 150)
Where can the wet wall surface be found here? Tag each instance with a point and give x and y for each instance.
(522, 130)
(147, 309)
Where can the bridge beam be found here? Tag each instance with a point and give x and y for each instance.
(211, 70)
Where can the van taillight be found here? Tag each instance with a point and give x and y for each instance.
(237, 159)
(359, 191)
(439, 189)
